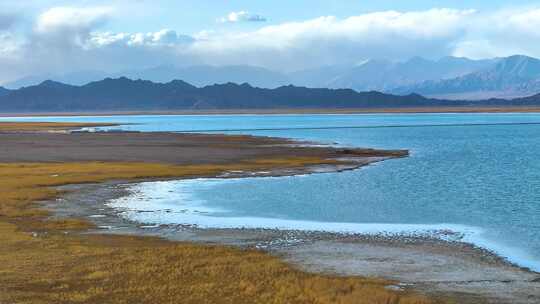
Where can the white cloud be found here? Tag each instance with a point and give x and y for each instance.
(66, 29)
(242, 16)
(65, 38)
(328, 40)
(72, 18)
(524, 21)
(165, 37)
(501, 33)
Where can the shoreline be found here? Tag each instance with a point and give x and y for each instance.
(404, 110)
(179, 149)
(429, 264)
(56, 261)
(89, 162)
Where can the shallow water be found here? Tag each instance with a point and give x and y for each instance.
(475, 174)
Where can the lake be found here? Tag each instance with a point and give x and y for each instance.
(475, 174)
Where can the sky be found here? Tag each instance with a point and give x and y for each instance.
(58, 36)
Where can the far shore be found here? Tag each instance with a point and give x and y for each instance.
(404, 110)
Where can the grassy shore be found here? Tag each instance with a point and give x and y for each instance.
(51, 261)
(45, 126)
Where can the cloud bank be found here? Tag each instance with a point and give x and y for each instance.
(63, 39)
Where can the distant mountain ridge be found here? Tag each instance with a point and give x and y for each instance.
(74, 78)
(203, 75)
(123, 94)
(449, 78)
(126, 94)
(514, 76)
(380, 75)
(383, 75)
(200, 75)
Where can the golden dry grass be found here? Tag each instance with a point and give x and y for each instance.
(54, 267)
(45, 126)
(45, 261)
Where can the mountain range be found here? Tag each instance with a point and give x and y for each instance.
(449, 78)
(384, 76)
(201, 75)
(379, 75)
(123, 94)
(126, 94)
(514, 76)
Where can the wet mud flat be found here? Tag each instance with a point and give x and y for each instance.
(422, 262)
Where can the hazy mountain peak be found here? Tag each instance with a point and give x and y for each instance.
(519, 57)
(52, 84)
(519, 66)
(180, 83)
(508, 77)
(112, 83)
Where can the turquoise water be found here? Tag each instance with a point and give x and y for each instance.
(475, 174)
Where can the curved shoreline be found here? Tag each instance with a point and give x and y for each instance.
(54, 261)
(441, 267)
(319, 252)
(135, 207)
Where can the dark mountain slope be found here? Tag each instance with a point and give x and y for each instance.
(4, 91)
(126, 94)
(123, 94)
